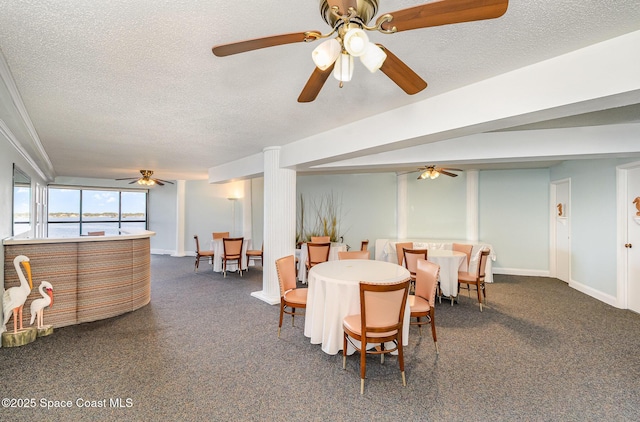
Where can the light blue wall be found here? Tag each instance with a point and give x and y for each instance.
(513, 207)
(436, 209)
(368, 203)
(257, 211)
(593, 221)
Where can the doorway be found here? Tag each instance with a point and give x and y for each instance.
(560, 259)
(629, 236)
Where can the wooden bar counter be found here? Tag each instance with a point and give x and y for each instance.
(93, 277)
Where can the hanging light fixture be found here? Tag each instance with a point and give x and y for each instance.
(430, 173)
(326, 53)
(355, 42)
(343, 70)
(373, 57)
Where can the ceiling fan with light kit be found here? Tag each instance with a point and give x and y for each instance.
(146, 179)
(431, 172)
(349, 19)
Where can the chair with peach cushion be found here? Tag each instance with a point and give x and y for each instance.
(422, 304)
(380, 320)
(400, 253)
(476, 278)
(200, 254)
(290, 295)
(411, 257)
(317, 253)
(465, 249)
(232, 252)
(320, 239)
(219, 235)
(353, 255)
(364, 245)
(254, 254)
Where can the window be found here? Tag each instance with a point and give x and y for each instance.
(77, 211)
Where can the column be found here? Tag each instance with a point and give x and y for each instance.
(279, 221)
(180, 217)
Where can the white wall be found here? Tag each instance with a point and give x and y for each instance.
(436, 209)
(513, 207)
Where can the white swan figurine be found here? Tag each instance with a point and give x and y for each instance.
(14, 298)
(38, 305)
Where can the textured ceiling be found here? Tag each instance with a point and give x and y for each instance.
(113, 87)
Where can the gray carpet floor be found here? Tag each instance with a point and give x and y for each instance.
(204, 349)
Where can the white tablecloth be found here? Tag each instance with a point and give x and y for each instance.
(334, 292)
(450, 263)
(304, 253)
(218, 251)
(386, 251)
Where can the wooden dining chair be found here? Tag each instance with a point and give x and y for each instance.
(353, 255)
(255, 254)
(317, 253)
(290, 296)
(219, 235)
(320, 239)
(411, 257)
(422, 304)
(380, 320)
(200, 254)
(476, 278)
(465, 249)
(232, 252)
(400, 253)
(364, 245)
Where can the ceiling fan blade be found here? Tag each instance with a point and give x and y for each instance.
(401, 74)
(314, 84)
(444, 12)
(257, 43)
(158, 182)
(448, 168)
(343, 5)
(135, 181)
(129, 178)
(447, 173)
(163, 181)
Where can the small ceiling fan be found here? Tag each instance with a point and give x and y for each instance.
(431, 172)
(146, 179)
(349, 20)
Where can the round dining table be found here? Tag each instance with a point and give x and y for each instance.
(334, 292)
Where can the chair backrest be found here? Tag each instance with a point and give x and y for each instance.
(364, 245)
(411, 257)
(400, 247)
(100, 233)
(464, 248)
(320, 239)
(382, 307)
(318, 252)
(219, 235)
(482, 263)
(286, 268)
(232, 247)
(353, 255)
(427, 280)
(197, 244)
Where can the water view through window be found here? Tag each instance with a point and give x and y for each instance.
(76, 211)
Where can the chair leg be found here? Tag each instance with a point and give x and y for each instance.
(293, 316)
(197, 262)
(344, 351)
(479, 295)
(363, 364)
(401, 361)
(433, 330)
(419, 326)
(281, 313)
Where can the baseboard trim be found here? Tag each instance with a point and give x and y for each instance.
(521, 271)
(596, 294)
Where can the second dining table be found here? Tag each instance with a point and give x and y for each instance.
(334, 292)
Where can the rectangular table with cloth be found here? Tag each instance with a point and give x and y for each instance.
(386, 251)
(334, 293)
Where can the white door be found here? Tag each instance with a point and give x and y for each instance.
(633, 239)
(562, 231)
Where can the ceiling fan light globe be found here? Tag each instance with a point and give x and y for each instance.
(343, 70)
(326, 54)
(356, 42)
(373, 58)
(434, 174)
